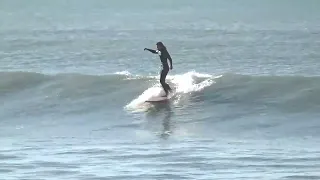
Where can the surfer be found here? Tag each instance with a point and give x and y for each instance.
(164, 55)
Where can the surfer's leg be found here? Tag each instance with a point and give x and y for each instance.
(169, 88)
(163, 83)
(166, 84)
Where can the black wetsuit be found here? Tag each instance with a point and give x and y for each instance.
(164, 55)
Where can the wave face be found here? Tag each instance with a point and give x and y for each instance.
(279, 104)
(281, 93)
(291, 94)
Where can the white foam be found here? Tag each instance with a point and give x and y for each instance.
(182, 83)
(127, 73)
(186, 83)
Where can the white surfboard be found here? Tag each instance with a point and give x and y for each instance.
(158, 99)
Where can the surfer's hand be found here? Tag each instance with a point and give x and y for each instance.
(145, 49)
(171, 67)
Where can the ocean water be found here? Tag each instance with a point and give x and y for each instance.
(74, 80)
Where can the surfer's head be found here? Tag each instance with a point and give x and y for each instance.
(160, 46)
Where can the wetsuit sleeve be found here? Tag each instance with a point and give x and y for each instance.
(151, 50)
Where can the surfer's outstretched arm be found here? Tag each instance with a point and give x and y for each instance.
(151, 50)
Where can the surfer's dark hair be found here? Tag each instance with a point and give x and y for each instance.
(161, 44)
